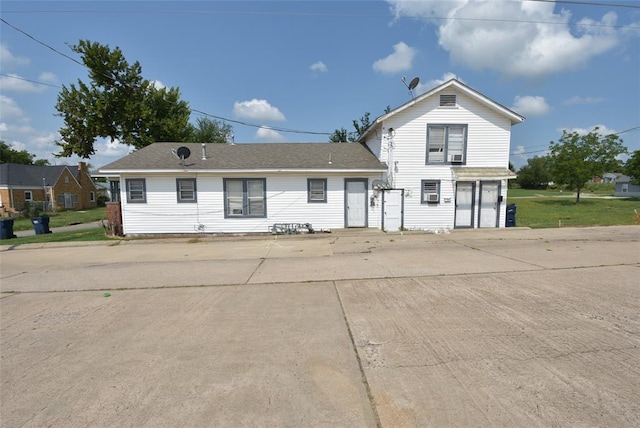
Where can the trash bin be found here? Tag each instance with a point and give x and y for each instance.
(6, 228)
(41, 224)
(511, 215)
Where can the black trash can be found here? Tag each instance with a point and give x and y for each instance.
(511, 215)
(6, 228)
(41, 224)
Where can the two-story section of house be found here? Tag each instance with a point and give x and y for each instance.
(447, 153)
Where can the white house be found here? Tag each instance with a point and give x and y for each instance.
(447, 153)
(439, 161)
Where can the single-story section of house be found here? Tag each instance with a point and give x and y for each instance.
(625, 187)
(181, 188)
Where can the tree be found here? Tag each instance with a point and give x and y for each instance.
(534, 175)
(576, 159)
(210, 131)
(117, 103)
(9, 155)
(360, 125)
(632, 167)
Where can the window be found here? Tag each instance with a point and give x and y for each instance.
(186, 190)
(446, 143)
(245, 197)
(28, 196)
(430, 191)
(92, 196)
(66, 179)
(136, 191)
(447, 100)
(625, 188)
(317, 190)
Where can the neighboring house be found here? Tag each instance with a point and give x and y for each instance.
(610, 177)
(624, 187)
(448, 156)
(438, 162)
(62, 187)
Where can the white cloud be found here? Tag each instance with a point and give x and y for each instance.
(583, 100)
(602, 129)
(530, 105)
(3, 126)
(8, 60)
(268, 134)
(111, 148)
(10, 109)
(400, 60)
(319, 67)
(158, 84)
(430, 84)
(257, 110)
(13, 82)
(515, 38)
(519, 152)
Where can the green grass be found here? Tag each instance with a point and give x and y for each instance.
(64, 218)
(94, 234)
(548, 212)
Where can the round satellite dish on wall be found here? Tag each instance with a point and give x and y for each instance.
(183, 152)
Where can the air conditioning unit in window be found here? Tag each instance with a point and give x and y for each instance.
(456, 158)
(433, 197)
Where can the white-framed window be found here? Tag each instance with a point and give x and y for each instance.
(317, 190)
(66, 179)
(625, 188)
(245, 197)
(186, 190)
(28, 196)
(430, 193)
(446, 144)
(92, 196)
(136, 190)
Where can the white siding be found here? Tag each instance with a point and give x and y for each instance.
(488, 140)
(286, 203)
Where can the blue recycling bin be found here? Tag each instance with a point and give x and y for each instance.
(41, 224)
(511, 215)
(6, 228)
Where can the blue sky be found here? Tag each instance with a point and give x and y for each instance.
(316, 66)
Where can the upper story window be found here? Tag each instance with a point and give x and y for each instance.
(245, 197)
(446, 144)
(136, 190)
(66, 179)
(28, 196)
(447, 100)
(186, 189)
(317, 190)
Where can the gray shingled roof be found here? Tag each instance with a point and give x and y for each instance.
(275, 156)
(15, 174)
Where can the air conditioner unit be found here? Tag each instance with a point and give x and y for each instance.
(433, 197)
(456, 158)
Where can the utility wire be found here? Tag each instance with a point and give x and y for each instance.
(587, 3)
(635, 128)
(275, 128)
(31, 81)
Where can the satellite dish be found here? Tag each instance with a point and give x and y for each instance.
(412, 85)
(183, 152)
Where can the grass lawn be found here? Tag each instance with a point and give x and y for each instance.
(94, 234)
(65, 218)
(547, 212)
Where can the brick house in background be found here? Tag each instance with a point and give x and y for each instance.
(62, 187)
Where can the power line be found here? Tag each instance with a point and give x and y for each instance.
(635, 128)
(279, 129)
(31, 81)
(587, 3)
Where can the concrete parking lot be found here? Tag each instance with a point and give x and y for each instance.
(510, 327)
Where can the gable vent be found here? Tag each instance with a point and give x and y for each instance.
(447, 100)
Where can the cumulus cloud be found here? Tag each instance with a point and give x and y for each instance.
(8, 60)
(400, 60)
(14, 83)
(530, 105)
(519, 152)
(158, 84)
(10, 109)
(515, 38)
(583, 100)
(602, 129)
(430, 84)
(319, 67)
(267, 134)
(257, 110)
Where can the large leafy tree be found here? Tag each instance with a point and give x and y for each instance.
(575, 159)
(210, 131)
(9, 155)
(117, 103)
(632, 167)
(359, 125)
(535, 174)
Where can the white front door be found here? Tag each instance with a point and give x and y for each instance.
(356, 203)
(464, 204)
(392, 205)
(489, 193)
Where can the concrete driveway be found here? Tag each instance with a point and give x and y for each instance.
(507, 327)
